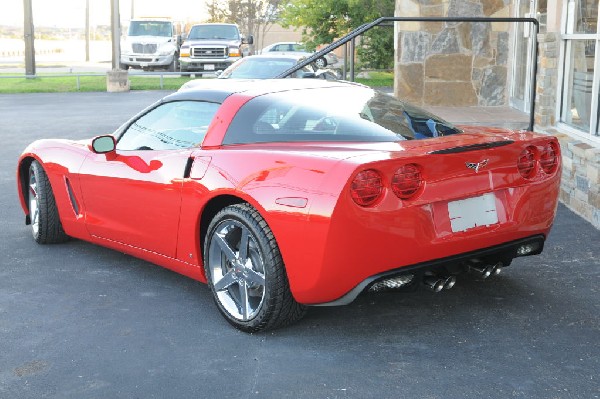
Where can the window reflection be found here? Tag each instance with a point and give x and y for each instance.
(583, 16)
(581, 77)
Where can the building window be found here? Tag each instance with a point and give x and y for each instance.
(580, 104)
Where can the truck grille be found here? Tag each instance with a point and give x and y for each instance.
(208, 52)
(140, 48)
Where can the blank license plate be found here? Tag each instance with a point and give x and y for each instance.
(209, 67)
(473, 212)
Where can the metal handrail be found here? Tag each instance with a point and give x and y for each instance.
(365, 27)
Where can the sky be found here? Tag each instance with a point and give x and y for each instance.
(71, 13)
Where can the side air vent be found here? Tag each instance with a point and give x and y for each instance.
(72, 197)
(473, 147)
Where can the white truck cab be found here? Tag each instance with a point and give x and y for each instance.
(151, 43)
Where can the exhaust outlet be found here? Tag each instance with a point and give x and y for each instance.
(487, 270)
(437, 284)
(483, 271)
(449, 282)
(434, 283)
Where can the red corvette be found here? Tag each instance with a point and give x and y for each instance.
(297, 192)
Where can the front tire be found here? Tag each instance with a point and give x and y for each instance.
(245, 271)
(173, 67)
(43, 213)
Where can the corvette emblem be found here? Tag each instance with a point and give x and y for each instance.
(477, 166)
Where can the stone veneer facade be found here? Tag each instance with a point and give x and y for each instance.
(457, 64)
(580, 185)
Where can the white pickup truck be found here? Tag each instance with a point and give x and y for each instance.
(151, 43)
(212, 47)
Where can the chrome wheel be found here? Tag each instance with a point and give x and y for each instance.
(245, 271)
(34, 210)
(237, 270)
(321, 62)
(43, 213)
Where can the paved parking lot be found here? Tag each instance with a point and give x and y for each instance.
(80, 321)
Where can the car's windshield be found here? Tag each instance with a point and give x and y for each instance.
(257, 68)
(333, 114)
(222, 32)
(150, 28)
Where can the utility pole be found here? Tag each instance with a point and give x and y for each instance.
(115, 29)
(116, 79)
(132, 9)
(87, 30)
(29, 38)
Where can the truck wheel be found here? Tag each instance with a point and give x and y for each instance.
(173, 67)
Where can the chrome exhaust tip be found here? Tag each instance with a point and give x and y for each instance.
(449, 282)
(483, 271)
(497, 269)
(434, 283)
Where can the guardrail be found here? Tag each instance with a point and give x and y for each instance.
(388, 21)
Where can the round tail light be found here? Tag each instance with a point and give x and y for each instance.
(407, 181)
(549, 158)
(526, 162)
(366, 188)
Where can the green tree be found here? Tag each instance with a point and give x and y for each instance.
(323, 21)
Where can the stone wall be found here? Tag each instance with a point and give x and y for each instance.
(457, 64)
(580, 184)
(547, 79)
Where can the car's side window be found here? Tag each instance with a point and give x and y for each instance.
(173, 125)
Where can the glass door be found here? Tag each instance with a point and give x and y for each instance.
(579, 104)
(523, 43)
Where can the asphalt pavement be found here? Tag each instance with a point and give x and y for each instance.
(81, 321)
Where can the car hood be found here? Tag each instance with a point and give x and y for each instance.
(211, 42)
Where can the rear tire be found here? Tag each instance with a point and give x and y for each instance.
(245, 271)
(45, 220)
(321, 62)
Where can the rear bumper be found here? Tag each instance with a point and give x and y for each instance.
(503, 252)
(355, 246)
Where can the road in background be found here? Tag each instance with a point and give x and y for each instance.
(81, 321)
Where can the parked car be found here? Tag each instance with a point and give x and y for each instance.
(265, 67)
(298, 48)
(293, 192)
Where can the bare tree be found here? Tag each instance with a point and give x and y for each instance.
(254, 17)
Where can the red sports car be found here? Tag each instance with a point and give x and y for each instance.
(288, 193)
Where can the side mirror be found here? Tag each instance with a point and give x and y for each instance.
(248, 40)
(104, 144)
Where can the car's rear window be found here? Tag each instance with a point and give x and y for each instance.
(332, 114)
